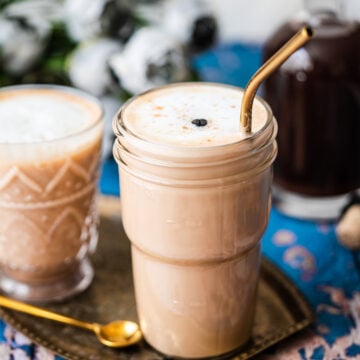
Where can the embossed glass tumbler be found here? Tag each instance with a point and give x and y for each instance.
(195, 192)
(50, 145)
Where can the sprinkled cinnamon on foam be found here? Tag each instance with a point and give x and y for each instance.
(166, 115)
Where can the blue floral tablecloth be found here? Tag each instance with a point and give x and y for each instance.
(309, 253)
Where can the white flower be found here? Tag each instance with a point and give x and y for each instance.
(181, 15)
(48, 10)
(82, 18)
(88, 65)
(22, 43)
(190, 21)
(151, 58)
(88, 19)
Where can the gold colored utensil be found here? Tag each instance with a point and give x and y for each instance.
(297, 41)
(119, 333)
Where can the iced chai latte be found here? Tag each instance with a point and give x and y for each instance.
(195, 193)
(49, 148)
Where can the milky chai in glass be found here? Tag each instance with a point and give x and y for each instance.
(50, 143)
(195, 192)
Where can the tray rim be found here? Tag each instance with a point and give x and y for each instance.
(259, 345)
(303, 303)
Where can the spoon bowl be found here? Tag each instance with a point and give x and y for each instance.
(119, 333)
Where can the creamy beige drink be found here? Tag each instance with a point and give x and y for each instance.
(195, 201)
(49, 147)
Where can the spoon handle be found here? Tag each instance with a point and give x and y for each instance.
(36, 311)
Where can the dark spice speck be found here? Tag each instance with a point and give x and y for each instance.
(199, 122)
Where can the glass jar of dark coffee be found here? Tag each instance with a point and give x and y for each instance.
(315, 96)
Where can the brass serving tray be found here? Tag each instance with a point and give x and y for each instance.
(281, 310)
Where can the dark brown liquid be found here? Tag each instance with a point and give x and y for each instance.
(315, 97)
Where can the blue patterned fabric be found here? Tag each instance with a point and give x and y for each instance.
(309, 253)
(15, 346)
(329, 276)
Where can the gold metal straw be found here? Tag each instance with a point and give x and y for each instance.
(297, 41)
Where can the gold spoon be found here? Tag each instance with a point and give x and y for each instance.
(119, 333)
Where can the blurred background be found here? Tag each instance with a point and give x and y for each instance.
(116, 48)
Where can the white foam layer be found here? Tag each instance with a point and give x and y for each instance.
(28, 115)
(165, 115)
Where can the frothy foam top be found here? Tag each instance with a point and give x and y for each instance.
(165, 115)
(34, 115)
